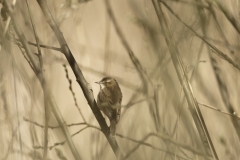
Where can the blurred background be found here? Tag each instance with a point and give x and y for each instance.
(154, 103)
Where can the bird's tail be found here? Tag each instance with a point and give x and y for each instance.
(113, 125)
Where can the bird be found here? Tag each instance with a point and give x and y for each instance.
(109, 101)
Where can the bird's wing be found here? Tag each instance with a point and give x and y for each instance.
(105, 103)
(103, 96)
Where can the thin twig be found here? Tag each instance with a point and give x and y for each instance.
(187, 147)
(7, 24)
(127, 106)
(141, 142)
(53, 127)
(136, 147)
(60, 143)
(219, 28)
(19, 44)
(47, 47)
(10, 144)
(190, 3)
(120, 80)
(73, 94)
(35, 35)
(63, 142)
(165, 137)
(43, 46)
(219, 110)
(17, 108)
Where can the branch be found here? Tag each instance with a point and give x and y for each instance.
(86, 88)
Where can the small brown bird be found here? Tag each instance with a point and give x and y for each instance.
(109, 101)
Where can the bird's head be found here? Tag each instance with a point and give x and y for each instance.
(107, 82)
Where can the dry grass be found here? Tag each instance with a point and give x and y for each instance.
(176, 62)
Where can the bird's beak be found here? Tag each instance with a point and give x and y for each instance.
(99, 82)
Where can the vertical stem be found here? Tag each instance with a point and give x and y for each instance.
(16, 103)
(178, 64)
(46, 107)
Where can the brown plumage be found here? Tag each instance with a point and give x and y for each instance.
(109, 101)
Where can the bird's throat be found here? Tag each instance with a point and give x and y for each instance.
(102, 86)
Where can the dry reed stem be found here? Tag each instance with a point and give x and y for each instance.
(178, 64)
